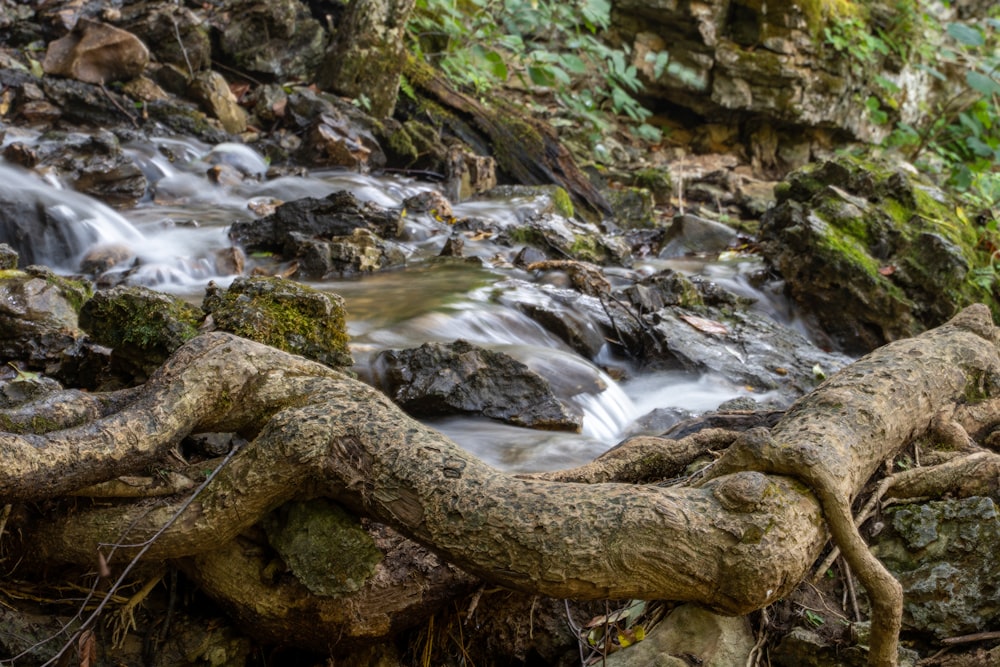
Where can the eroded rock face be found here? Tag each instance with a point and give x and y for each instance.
(769, 60)
(456, 378)
(933, 549)
(874, 252)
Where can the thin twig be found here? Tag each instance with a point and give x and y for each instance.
(135, 559)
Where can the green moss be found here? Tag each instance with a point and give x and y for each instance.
(283, 314)
(140, 317)
(585, 247)
(562, 202)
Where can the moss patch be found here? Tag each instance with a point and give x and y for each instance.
(283, 314)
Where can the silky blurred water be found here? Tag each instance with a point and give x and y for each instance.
(176, 230)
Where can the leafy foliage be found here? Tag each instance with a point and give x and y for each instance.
(959, 134)
(480, 44)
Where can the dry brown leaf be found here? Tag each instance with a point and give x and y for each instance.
(706, 326)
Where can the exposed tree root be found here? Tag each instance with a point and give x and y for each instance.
(739, 540)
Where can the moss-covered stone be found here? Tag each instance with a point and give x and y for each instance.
(141, 326)
(283, 314)
(325, 547)
(874, 251)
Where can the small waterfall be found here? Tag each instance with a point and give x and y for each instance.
(52, 226)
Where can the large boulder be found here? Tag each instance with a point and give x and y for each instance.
(460, 378)
(872, 251)
(279, 39)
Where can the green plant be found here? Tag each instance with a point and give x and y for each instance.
(961, 134)
(481, 44)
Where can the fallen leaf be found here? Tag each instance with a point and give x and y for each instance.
(706, 326)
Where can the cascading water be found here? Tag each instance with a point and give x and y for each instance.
(173, 237)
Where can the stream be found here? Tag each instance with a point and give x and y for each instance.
(183, 221)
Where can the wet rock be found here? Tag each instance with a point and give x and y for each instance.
(8, 257)
(460, 378)
(333, 142)
(87, 104)
(103, 257)
(94, 164)
(211, 91)
(361, 251)
(565, 313)
(97, 53)
(933, 549)
(278, 38)
(873, 251)
(690, 634)
(693, 234)
(141, 326)
(741, 346)
(39, 315)
(294, 222)
(284, 314)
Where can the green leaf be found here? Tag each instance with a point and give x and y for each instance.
(541, 75)
(982, 83)
(966, 34)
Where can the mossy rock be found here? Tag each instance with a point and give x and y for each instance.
(283, 314)
(324, 547)
(873, 251)
(142, 327)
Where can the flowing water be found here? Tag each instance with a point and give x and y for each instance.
(177, 229)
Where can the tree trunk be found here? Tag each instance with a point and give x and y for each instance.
(736, 542)
(367, 55)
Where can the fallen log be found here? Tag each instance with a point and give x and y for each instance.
(736, 542)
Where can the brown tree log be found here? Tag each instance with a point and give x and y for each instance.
(736, 542)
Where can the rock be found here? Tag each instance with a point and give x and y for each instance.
(693, 234)
(336, 215)
(943, 554)
(323, 546)
(752, 60)
(103, 257)
(211, 91)
(873, 251)
(177, 35)
(361, 251)
(8, 257)
(142, 327)
(333, 142)
(460, 378)
(690, 634)
(39, 315)
(93, 164)
(97, 53)
(284, 314)
(278, 38)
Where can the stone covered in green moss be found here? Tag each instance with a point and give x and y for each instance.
(38, 314)
(872, 251)
(283, 314)
(141, 326)
(325, 547)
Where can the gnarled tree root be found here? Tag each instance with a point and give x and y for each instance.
(736, 542)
